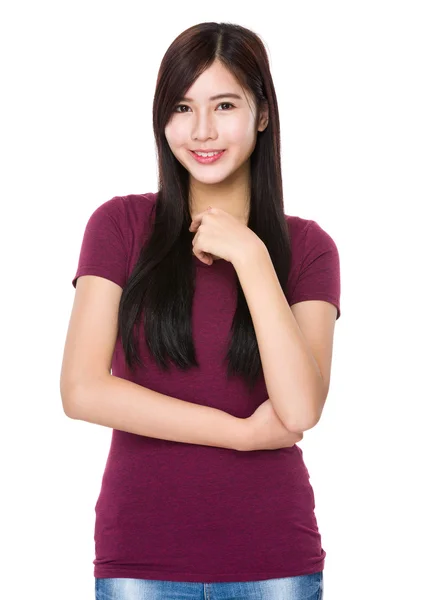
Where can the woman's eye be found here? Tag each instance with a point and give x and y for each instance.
(180, 106)
(185, 106)
(227, 104)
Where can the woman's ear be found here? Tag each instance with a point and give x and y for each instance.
(264, 118)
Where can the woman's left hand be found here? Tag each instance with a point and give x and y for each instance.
(220, 235)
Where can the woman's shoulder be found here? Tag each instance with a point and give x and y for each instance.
(309, 230)
(131, 205)
(297, 227)
(132, 210)
(139, 203)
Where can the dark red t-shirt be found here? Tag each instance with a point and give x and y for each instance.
(185, 512)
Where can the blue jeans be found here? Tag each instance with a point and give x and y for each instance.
(301, 587)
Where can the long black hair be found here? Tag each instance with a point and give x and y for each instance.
(162, 283)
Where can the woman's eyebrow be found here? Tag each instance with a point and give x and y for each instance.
(217, 97)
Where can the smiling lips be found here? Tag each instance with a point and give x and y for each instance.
(205, 160)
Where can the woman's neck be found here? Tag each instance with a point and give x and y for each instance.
(233, 200)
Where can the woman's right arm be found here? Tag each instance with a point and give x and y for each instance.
(90, 393)
(121, 404)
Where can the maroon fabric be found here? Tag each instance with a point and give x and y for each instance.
(184, 512)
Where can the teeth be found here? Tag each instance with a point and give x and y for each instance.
(206, 153)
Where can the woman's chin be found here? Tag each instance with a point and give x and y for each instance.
(213, 179)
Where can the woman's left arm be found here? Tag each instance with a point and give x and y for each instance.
(296, 368)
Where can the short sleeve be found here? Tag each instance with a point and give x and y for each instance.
(103, 251)
(319, 275)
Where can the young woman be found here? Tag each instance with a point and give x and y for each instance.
(215, 311)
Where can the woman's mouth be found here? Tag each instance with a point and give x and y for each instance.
(206, 160)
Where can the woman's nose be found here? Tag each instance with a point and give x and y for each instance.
(203, 126)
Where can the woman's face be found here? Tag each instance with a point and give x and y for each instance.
(226, 123)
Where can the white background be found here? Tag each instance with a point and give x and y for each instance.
(77, 81)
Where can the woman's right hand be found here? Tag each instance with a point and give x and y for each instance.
(265, 431)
